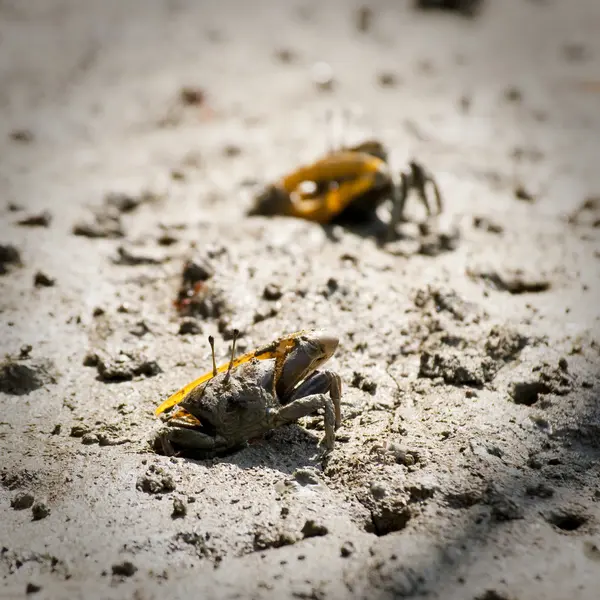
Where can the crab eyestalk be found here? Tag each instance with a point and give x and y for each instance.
(211, 341)
(236, 334)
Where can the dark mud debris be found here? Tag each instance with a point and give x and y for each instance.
(40, 279)
(192, 294)
(102, 226)
(312, 528)
(265, 539)
(20, 377)
(10, 257)
(42, 219)
(364, 382)
(504, 343)
(189, 326)
(588, 214)
(25, 136)
(486, 224)
(32, 588)
(123, 366)
(124, 569)
(40, 510)
(467, 8)
(22, 500)
(389, 515)
(179, 509)
(129, 258)
(514, 281)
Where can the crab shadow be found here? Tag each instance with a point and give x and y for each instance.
(285, 450)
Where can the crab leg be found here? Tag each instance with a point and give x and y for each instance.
(322, 390)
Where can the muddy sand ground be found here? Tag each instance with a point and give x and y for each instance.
(467, 463)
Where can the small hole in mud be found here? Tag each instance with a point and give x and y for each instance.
(567, 521)
(528, 392)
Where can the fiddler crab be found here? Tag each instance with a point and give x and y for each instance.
(271, 386)
(348, 184)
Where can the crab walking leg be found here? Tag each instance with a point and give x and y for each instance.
(195, 440)
(310, 396)
(399, 196)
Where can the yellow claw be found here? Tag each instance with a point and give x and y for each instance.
(277, 349)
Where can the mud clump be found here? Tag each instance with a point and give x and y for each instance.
(388, 514)
(104, 225)
(266, 539)
(189, 326)
(313, 529)
(106, 221)
(457, 368)
(10, 257)
(179, 509)
(437, 300)
(19, 378)
(155, 481)
(504, 343)
(192, 296)
(123, 367)
(40, 510)
(40, 279)
(364, 382)
(124, 569)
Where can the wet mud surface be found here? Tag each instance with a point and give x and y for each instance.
(134, 139)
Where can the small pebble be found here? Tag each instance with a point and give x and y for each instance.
(179, 509)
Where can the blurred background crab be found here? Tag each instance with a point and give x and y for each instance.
(348, 185)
